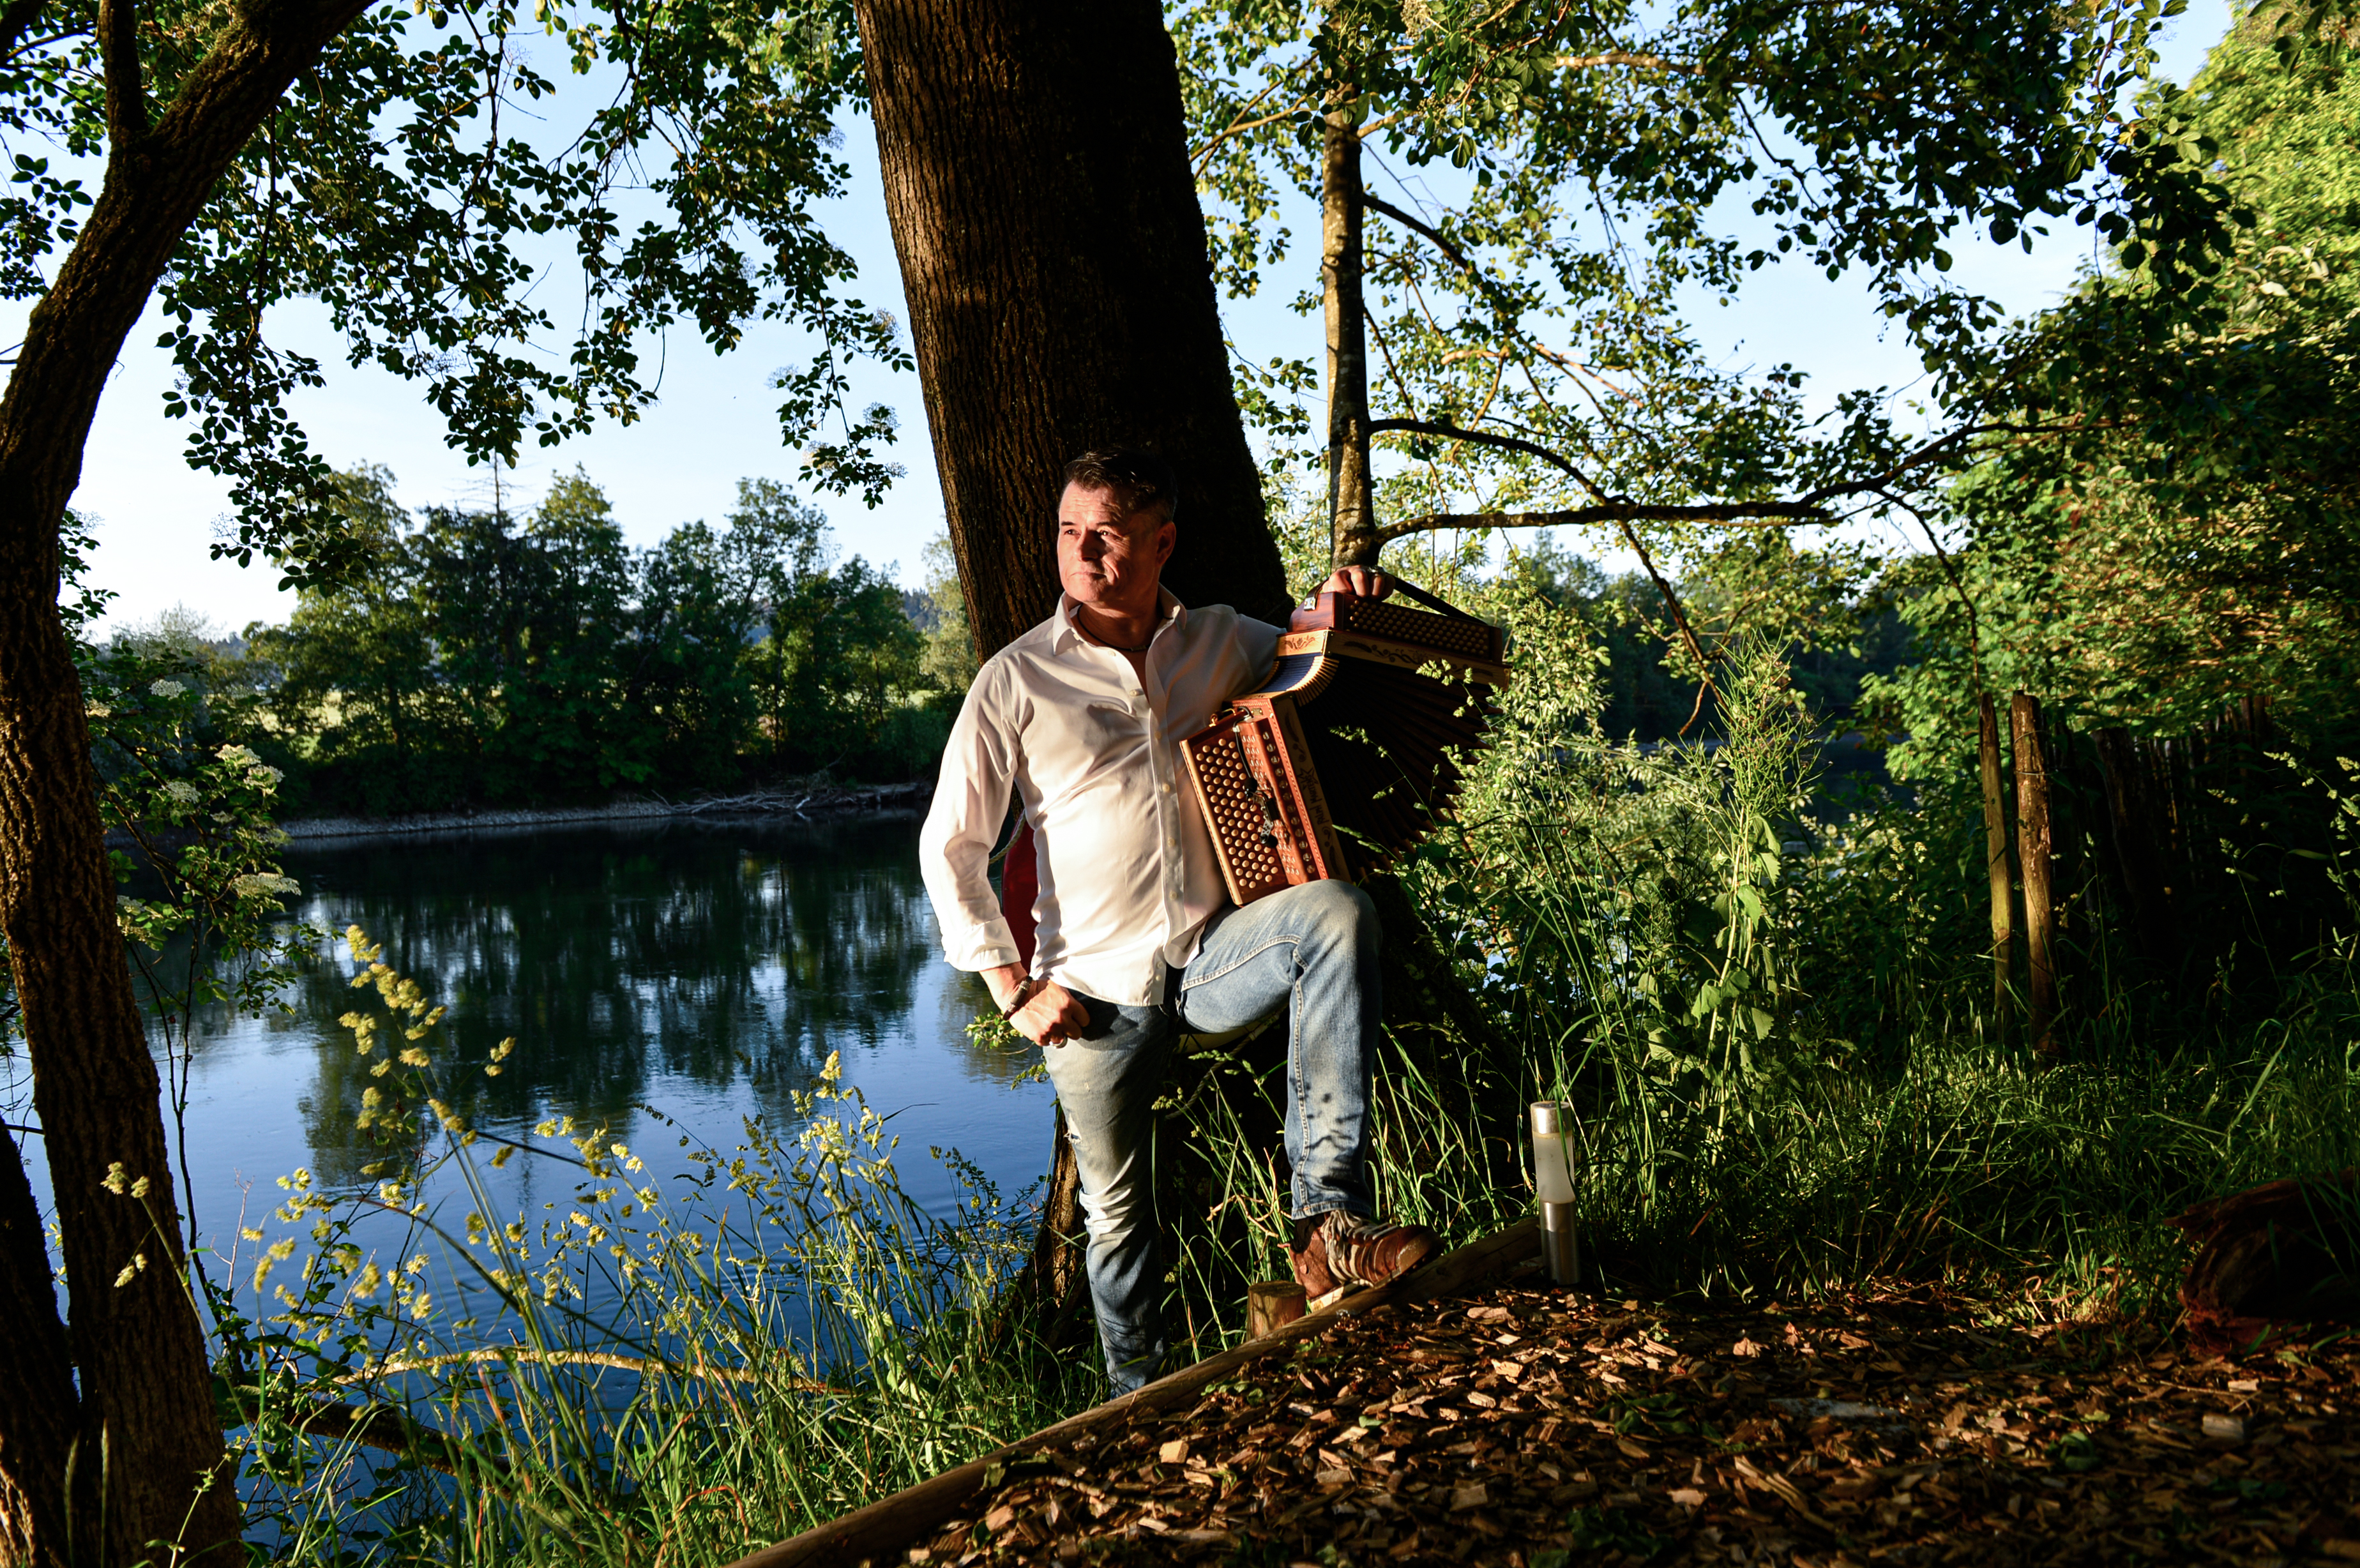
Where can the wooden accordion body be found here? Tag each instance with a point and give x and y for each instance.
(1341, 759)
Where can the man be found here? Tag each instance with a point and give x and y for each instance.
(1082, 716)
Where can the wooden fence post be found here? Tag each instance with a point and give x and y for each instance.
(2033, 858)
(2002, 865)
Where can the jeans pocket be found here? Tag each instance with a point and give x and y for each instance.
(1105, 1024)
(1113, 1027)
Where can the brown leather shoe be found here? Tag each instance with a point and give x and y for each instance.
(1336, 1248)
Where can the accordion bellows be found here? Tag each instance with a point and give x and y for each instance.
(1345, 754)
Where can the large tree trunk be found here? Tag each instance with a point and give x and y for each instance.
(144, 1420)
(1061, 295)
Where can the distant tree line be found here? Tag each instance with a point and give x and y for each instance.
(491, 658)
(487, 658)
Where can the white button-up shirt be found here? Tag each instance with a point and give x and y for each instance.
(1128, 874)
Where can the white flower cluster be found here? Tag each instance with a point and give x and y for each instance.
(180, 789)
(257, 770)
(266, 884)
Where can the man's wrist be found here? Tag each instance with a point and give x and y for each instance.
(1017, 998)
(1006, 982)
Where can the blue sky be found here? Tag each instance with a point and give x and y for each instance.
(715, 422)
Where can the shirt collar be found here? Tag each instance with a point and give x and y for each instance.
(1176, 615)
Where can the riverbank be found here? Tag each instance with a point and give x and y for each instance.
(803, 800)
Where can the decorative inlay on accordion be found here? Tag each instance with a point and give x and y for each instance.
(1342, 757)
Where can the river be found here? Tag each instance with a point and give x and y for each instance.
(666, 981)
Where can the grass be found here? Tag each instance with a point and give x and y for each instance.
(674, 1371)
(1778, 1033)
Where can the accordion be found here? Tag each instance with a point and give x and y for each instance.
(1342, 757)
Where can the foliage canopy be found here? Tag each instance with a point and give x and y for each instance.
(428, 180)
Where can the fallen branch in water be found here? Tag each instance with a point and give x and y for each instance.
(387, 1427)
(642, 1363)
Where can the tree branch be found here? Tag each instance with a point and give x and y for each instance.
(1958, 585)
(501, 1354)
(1409, 221)
(126, 92)
(1487, 437)
(1624, 56)
(384, 1428)
(1241, 125)
(1466, 264)
(1809, 507)
(1622, 512)
(1621, 522)
(1760, 514)
(17, 19)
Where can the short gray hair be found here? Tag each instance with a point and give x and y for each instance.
(1138, 479)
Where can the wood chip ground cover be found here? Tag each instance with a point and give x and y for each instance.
(1530, 1428)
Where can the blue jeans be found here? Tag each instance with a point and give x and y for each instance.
(1310, 949)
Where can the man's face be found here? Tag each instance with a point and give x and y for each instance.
(1106, 558)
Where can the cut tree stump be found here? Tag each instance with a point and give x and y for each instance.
(1271, 1305)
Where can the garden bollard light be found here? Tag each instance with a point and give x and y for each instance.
(1552, 1181)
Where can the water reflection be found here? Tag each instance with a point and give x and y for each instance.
(707, 971)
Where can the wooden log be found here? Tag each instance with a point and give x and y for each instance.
(2002, 862)
(2035, 862)
(1271, 1305)
(883, 1530)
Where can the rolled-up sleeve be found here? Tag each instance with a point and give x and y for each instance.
(970, 802)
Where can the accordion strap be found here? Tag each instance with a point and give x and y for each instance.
(1429, 600)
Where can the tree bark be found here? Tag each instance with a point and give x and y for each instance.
(137, 1346)
(1061, 294)
(37, 1394)
(2002, 862)
(1351, 501)
(2033, 844)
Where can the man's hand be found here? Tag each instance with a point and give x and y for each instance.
(1358, 582)
(1050, 1016)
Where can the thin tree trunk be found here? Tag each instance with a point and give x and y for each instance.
(2033, 842)
(1061, 295)
(1047, 1295)
(1352, 506)
(2002, 863)
(139, 1351)
(1428, 1012)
